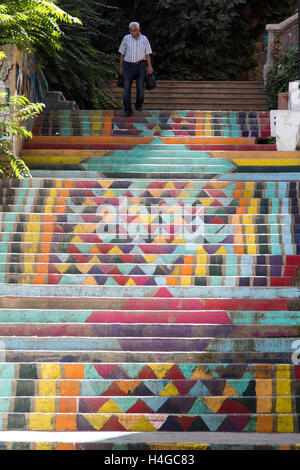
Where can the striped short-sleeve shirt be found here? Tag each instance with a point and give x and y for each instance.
(135, 50)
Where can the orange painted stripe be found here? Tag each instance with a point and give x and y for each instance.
(188, 259)
(186, 270)
(107, 123)
(240, 210)
(66, 422)
(68, 405)
(199, 124)
(64, 446)
(39, 279)
(74, 371)
(172, 281)
(70, 388)
(237, 194)
(238, 250)
(60, 205)
(263, 371)
(264, 423)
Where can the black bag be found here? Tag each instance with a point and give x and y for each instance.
(150, 82)
(120, 82)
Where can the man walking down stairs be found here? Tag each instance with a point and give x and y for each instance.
(150, 284)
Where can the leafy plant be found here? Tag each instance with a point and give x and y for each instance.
(285, 70)
(32, 23)
(82, 69)
(12, 117)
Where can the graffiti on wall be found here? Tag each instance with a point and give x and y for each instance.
(23, 76)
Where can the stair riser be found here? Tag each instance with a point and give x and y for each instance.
(232, 345)
(159, 185)
(155, 405)
(213, 389)
(145, 331)
(247, 357)
(261, 374)
(151, 423)
(278, 323)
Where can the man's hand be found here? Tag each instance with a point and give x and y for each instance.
(150, 70)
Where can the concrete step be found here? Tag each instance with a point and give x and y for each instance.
(286, 174)
(19, 328)
(237, 422)
(145, 345)
(151, 388)
(212, 95)
(260, 374)
(250, 357)
(283, 188)
(233, 441)
(177, 320)
(27, 244)
(155, 405)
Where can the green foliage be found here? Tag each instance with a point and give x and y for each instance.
(32, 23)
(82, 69)
(285, 70)
(12, 116)
(199, 39)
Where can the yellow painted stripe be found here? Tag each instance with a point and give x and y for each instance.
(265, 162)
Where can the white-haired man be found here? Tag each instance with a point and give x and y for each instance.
(135, 63)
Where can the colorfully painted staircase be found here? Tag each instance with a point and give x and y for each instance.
(149, 283)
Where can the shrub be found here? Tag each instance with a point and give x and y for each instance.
(285, 70)
(12, 116)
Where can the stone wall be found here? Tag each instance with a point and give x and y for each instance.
(21, 74)
(287, 32)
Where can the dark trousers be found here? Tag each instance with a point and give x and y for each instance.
(138, 73)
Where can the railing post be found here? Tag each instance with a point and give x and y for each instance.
(270, 61)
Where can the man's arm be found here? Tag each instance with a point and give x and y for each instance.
(149, 65)
(121, 64)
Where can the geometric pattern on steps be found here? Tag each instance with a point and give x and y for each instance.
(139, 163)
(186, 123)
(235, 372)
(162, 329)
(150, 404)
(237, 422)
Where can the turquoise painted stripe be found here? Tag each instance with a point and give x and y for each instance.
(44, 316)
(4, 405)
(157, 168)
(5, 388)
(7, 371)
(197, 292)
(234, 125)
(67, 129)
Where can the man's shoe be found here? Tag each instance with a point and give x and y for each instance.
(128, 113)
(139, 108)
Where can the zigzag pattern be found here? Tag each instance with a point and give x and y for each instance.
(149, 278)
(181, 123)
